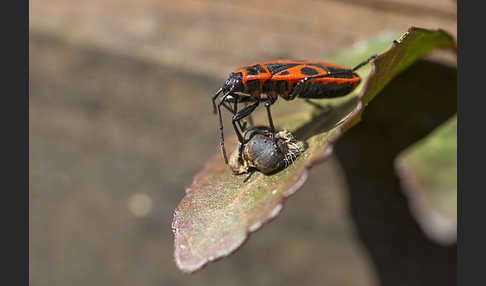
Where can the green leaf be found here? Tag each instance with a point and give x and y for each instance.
(220, 209)
(428, 173)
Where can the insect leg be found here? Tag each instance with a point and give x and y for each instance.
(250, 118)
(221, 129)
(214, 99)
(228, 107)
(246, 111)
(270, 121)
(316, 105)
(233, 111)
(245, 99)
(240, 138)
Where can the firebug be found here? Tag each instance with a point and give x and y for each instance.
(265, 82)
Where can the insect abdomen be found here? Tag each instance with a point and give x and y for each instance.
(330, 89)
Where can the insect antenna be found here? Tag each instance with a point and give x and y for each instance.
(365, 62)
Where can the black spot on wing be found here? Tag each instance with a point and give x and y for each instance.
(308, 71)
(260, 69)
(320, 66)
(275, 68)
(251, 70)
(255, 69)
(284, 73)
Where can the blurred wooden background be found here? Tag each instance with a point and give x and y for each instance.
(120, 121)
(214, 37)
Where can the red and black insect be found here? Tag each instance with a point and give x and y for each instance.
(285, 78)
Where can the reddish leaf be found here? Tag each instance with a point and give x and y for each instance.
(220, 209)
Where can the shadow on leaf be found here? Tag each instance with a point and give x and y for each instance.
(409, 108)
(325, 119)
